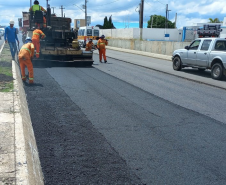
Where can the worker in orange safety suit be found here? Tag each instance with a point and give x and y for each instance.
(36, 7)
(89, 45)
(25, 55)
(37, 33)
(101, 43)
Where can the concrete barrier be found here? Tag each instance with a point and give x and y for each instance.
(28, 168)
(157, 47)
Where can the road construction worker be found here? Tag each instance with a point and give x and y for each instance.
(11, 38)
(37, 33)
(36, 7)
(25, 55)
(101, 43)
(89, 45)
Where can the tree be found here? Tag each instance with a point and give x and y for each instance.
(159, 22)
(216, 20)
(108, 23)
(100, 26)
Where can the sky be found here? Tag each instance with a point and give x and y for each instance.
(124, 12)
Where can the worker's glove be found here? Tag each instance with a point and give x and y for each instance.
(98, 49)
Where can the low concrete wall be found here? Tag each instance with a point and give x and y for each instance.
(28, 168)
(158, 47)
(157, 34)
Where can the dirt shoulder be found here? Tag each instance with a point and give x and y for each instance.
(6, 76)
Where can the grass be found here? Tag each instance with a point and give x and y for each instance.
(6, 71)
(8, 87)
(6, 76)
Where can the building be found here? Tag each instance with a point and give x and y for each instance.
(79, 23)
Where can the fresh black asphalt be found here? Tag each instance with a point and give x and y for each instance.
(71, 150)
(117, 124)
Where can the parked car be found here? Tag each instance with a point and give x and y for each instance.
(1, 34)
(203, 53)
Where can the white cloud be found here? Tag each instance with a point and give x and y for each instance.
(185, 21)
(121, 10)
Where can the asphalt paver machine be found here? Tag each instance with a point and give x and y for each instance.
(60, 46)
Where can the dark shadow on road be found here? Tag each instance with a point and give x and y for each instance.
(32, 85)
(206, 73)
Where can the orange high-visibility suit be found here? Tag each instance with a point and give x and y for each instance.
(102, 50)
(25, 55)
(36, 40)
(38, 7)
(89, 46)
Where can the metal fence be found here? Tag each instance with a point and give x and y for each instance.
(189, 33)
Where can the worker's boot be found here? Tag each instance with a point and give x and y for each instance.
(105, 61)
(101, 61)
(24, 79)
(31, 81)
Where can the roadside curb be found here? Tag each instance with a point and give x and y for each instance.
(28, 167)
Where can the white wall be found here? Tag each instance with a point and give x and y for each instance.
(158, 47)
(148, 33)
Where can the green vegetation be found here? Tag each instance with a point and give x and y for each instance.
(6, 76)
(216, 20)
(108, 24)
(159, 22)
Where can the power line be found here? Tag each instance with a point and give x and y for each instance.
(110, 2)
(148, 3)
(160, 2)
(79, 7)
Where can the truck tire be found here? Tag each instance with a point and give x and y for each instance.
(217, 71)
(177, 63)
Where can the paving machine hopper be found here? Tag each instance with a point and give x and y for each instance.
(60, 46)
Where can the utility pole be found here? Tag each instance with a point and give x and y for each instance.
(152, 17)
(176, 20)
(53, 8)
(86, 12)
(62, 13)
(47, 3)
(141, 13)
(166, 15)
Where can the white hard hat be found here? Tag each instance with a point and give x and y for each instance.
(11, 22)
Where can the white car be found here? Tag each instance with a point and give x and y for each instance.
(1, 33)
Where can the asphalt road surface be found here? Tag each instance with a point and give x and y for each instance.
(118, 123)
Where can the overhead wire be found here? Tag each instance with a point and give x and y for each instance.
(79, 7)
(160, 2)
(110, 2)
